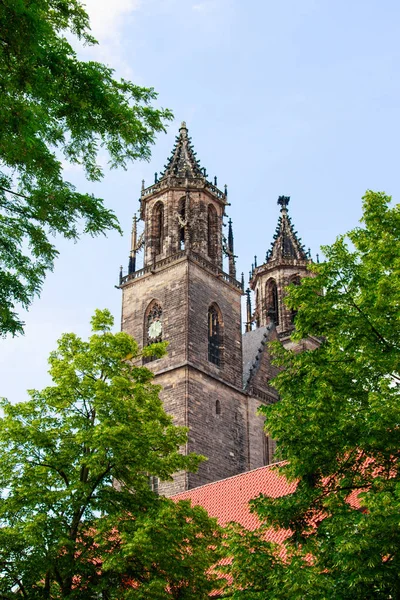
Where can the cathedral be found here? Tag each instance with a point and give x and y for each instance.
(213, 378)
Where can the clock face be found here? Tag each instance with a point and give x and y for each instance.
(155, 329)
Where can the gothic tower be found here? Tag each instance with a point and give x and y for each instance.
(285, 263)
(183, 296)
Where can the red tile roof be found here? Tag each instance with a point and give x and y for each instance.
(228, 499)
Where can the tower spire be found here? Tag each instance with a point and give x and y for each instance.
(231, 253)
(132, 254)
(183, 162)
(286, 244)
(248, 310)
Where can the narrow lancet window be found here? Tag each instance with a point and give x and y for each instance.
(182, 224)
(212, 231)
(295, 280)
(158, 228)
(214, 335)
(272, 301)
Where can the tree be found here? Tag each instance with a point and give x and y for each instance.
(338, 427)
(77, 516)
(55, 106)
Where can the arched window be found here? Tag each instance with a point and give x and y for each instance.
(295, 280)
(217, 407)
(212, 231)
(153, 326)
(215, 335)
(158, 228)
(272, 301)
(181, 223)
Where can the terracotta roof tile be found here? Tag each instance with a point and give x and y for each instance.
(228, 499)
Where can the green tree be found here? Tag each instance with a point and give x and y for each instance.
(77, 516)
(55, 106)
(338, 427)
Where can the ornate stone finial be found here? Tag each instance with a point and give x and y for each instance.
(155, 177)
(248, 311)
(230, 236)
(183, 126)
(284, 202)
(242, 282)
(142, 184)
(120, 275)
(226, 189)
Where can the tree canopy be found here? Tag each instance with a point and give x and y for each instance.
(54, 106)
(77, 515)
(337, 425)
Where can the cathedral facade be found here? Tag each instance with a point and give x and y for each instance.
(213, 378)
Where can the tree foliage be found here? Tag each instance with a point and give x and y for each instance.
(338, 427)
(54, 106)
(77, 516)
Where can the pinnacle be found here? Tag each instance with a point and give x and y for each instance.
(183, 162)
(286, 244)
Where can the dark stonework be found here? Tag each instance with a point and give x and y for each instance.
(217, 393)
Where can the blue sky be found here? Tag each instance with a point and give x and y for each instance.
(281, 98)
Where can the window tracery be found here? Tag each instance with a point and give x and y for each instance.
(272, 301)
(214, 335)
(212, 221)
(158, 228)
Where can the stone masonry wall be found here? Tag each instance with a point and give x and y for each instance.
(217, 430)
(204, 290)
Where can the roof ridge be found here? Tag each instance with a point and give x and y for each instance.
(255, 365)
(281, 462)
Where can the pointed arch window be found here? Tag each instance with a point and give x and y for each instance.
(153, 327)
(295, 280)
(158, 228)
(181, 223)
(215, 328)
(212, 222)
(272, 301)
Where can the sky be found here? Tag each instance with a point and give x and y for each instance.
(296, 98)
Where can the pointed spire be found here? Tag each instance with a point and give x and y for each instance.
(248, 310)
(132, 255)
(286, 244)
(183, 162)
(242, 282)
(230, 236)
(231, 254)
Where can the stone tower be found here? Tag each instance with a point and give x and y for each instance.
(285, 263)
(183, 296)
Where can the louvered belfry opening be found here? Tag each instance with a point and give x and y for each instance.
(212, 219)
(158, 228)
(272, 301)
(214, 336)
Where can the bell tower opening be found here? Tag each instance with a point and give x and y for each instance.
(182, 224)
(212, 238)
(158, 228)
(215, 328)
(272, 301)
